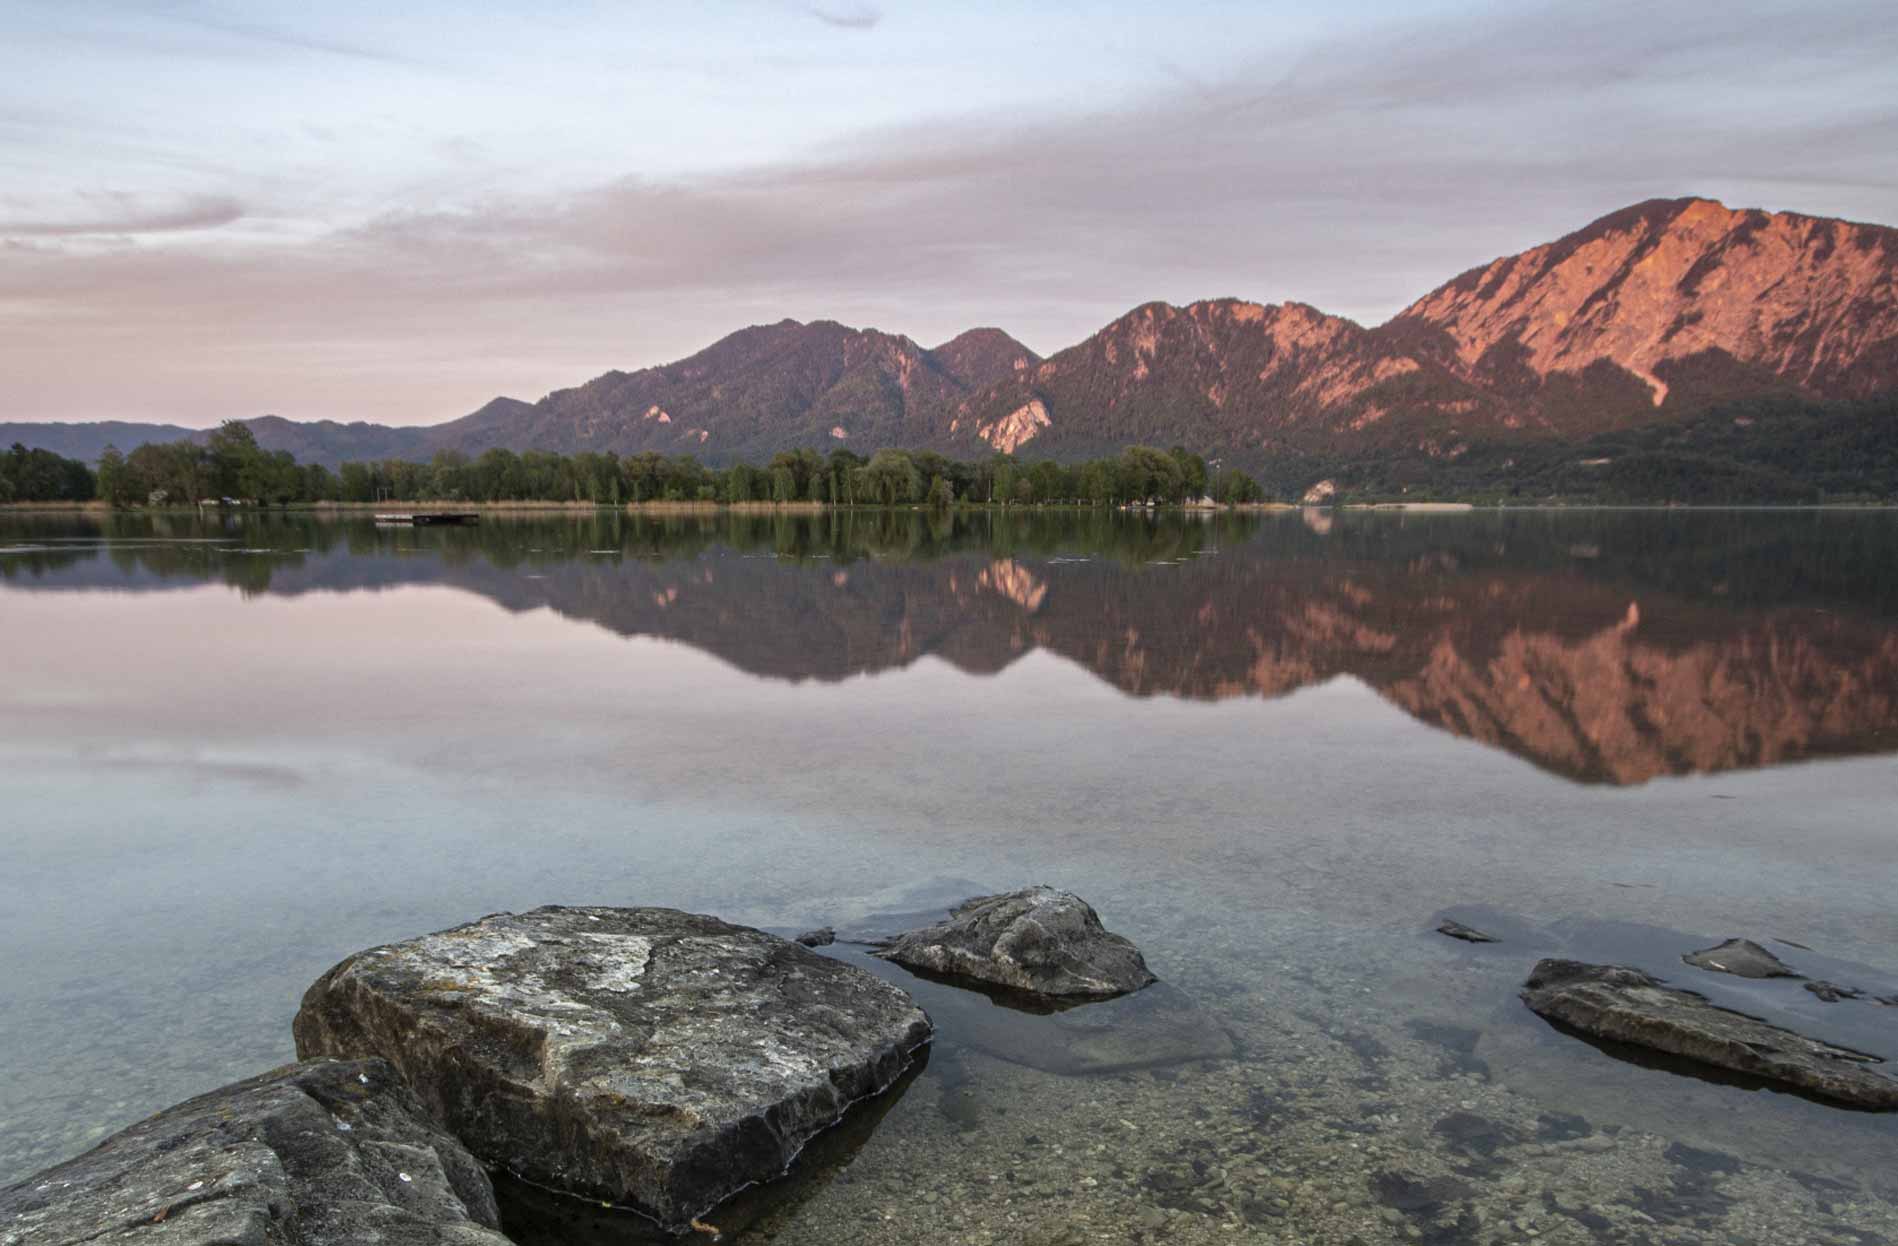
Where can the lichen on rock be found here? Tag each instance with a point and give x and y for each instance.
(653, 1058)
(325, 1153)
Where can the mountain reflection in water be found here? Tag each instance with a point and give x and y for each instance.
(1605, 647)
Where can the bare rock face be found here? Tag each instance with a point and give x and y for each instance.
(1626, 1005)
(315, 1154)
(1038, 940)
(644, 1056)
(1742, 958)
(1806, 300)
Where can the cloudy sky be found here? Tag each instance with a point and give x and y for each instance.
(393, 212)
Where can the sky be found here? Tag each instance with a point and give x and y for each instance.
(364, 211)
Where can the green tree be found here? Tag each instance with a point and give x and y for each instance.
(115, 481)
(1233, 487)
(357, 482)
(1192, 472)
(891, 478)
(236, 461)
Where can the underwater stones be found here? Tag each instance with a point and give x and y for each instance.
(1038, 940)
(1832, 992)
(1742, 958)
(1625, 1005)
(1469, 934)
(1156, 1028)
(643, 1056)
(315, 1154)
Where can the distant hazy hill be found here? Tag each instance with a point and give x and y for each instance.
(319, 441)
(85, 441)
(1647, 316)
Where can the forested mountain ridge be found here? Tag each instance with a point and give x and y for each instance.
(756, 392)
(1647, 316)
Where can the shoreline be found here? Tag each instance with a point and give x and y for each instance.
(342, 509)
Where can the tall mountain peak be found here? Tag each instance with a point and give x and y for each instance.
(1681, 293)
(978, 358)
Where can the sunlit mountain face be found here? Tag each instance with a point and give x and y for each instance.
(1604, 648)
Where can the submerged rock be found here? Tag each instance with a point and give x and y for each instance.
(1038, 940)
(1154, 1028)
(643, 1056)
(1626, 1005)
(316, 1154)
(1741, 957)
(1832, 992)
(1469, 934)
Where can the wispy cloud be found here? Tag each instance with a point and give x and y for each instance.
(195, 30)
(120, 214)
(847, 17)
(256, 32)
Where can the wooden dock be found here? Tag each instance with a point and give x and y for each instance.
(422, 519)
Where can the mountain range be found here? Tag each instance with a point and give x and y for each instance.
(1648, 315)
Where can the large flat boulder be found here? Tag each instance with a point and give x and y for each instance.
(1038, 940)
(1626, 1005)
(648, 1057)
(316, 1154)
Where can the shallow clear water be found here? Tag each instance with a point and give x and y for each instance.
(1271, 751)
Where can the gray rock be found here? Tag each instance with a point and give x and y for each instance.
(1469, 934)
(1626, 1005)
(1154, 1028)
(1040, 941)
(1741, 957)
(823, 936)
(327, 1152)
(1832, 992)
(648, 1057)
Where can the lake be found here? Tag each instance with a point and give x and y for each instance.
(1273, 750)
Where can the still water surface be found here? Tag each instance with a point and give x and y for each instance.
(1273, 751)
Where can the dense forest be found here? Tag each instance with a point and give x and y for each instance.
(230, 465)
(1756, 451)
(1751, 452)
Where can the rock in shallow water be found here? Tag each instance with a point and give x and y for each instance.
(1626, 1005)
(1469, 934)
(1832, 992)
(1038, 940)
(1152, 1028)
(315, 1154)
(1742, 958)
(645, 1056)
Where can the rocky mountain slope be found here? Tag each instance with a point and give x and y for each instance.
(756, 392)
(1648, 314)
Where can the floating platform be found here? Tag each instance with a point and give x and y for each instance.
(421, 519)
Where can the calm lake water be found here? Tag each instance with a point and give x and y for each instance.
(1274, 751)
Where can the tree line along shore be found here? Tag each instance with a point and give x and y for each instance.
(229, 466)
(1773, 450)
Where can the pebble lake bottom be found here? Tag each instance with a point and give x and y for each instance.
(1274, 757)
